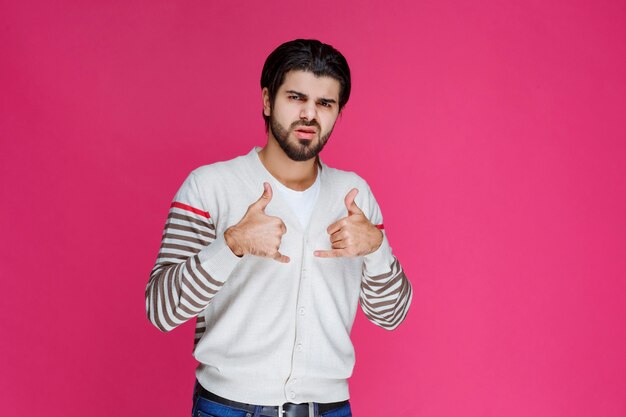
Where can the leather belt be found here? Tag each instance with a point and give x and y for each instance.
(289, 409)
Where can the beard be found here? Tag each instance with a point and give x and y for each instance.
(301, 149)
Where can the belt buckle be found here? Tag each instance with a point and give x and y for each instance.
(284, 413)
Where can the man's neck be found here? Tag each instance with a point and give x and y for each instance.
(297, 175)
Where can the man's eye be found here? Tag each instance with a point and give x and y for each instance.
(294, 97)
(325, 103)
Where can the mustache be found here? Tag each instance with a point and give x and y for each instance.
(305, 123)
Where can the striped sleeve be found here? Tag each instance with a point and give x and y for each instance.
(386, 292)
(192, 264)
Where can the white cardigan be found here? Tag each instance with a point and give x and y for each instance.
(267, 332)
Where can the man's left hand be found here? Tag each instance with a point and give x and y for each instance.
(353, 235)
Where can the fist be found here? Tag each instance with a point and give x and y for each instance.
(353, 235)
(257, 233)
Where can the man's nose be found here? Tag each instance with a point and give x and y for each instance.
(308, 111)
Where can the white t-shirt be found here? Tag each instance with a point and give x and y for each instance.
(300, 202)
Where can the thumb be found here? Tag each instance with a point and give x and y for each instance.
(350, 204)
(265, 198)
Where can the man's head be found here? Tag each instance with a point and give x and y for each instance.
(305, 86)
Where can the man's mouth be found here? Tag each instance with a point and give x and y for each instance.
(305, 132)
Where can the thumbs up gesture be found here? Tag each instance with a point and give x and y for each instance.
(257, 233)
(353, 235)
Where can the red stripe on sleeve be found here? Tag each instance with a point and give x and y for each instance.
(191, 209)
(380, 226)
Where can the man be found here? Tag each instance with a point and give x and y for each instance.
(273, 250)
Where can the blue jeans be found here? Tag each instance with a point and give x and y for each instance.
(206, 408)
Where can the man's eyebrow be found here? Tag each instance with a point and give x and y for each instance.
(296, 92)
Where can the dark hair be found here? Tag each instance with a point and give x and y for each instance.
(305, 55)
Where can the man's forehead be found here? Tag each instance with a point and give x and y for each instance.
(306, 82)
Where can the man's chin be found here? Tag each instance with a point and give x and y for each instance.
(300, 154)
(300, 150)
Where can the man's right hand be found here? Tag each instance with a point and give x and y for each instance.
(257, 233)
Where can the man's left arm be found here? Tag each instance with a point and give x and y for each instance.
(385, 290)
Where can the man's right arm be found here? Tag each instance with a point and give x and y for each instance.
(192, 265)
(195, 261)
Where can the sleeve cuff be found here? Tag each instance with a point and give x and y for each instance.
(218, 259)
(379, 262)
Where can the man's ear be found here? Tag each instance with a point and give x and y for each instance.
(267, 108)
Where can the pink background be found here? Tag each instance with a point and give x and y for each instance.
(492, 133)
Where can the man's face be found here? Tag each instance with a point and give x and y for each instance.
(304, 113)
